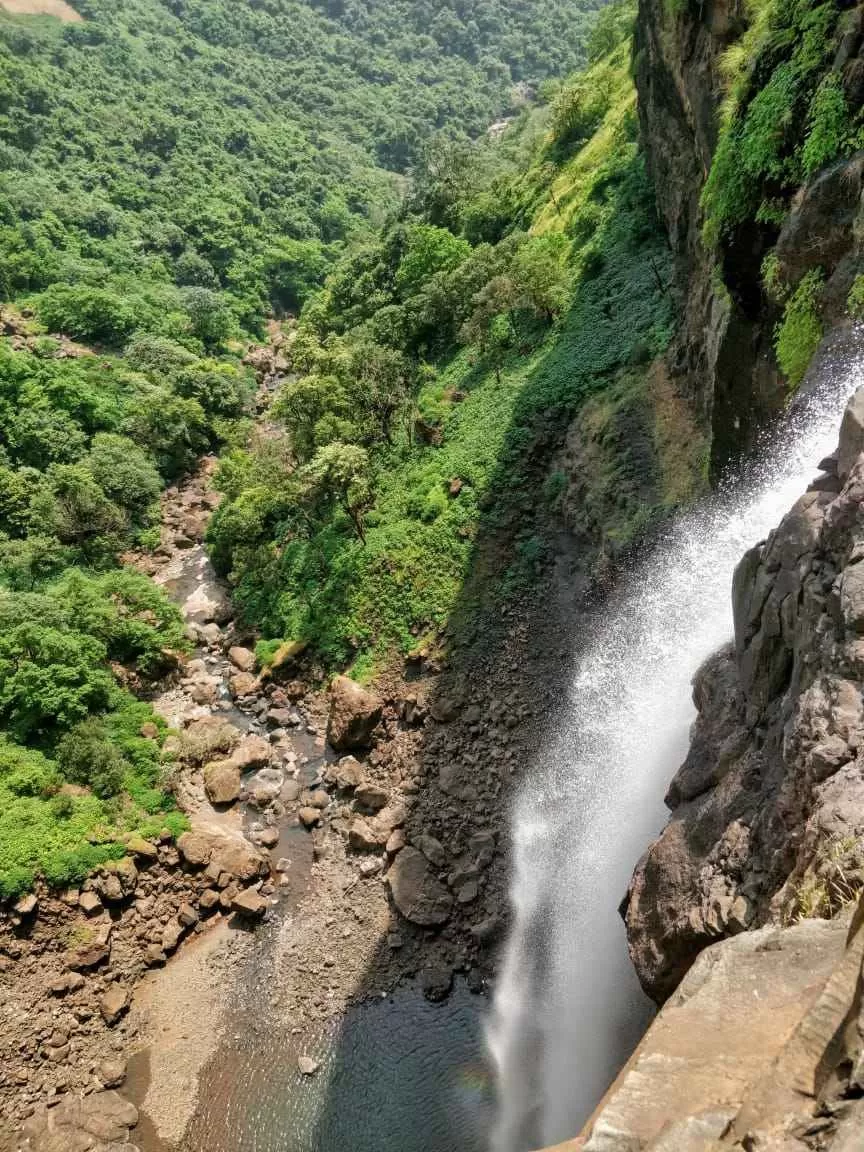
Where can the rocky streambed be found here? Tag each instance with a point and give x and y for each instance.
(342, 875)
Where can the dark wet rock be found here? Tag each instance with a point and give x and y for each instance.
(773, 783)
(418, 895)
(354, 714)
(437, 983)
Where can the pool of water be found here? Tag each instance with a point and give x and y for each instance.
(396, 1075)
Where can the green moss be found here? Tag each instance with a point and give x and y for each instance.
(797, 336)
(855, 299)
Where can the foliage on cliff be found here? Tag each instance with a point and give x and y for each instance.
(437, 370)
(793, 106)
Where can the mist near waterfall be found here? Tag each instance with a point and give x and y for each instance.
(568, 1008)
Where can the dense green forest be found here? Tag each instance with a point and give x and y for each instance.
(438, 368)
(171, 174)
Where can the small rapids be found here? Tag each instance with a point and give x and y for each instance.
(568, 1008)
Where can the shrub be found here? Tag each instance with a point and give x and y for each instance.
(86, 313)
(86, 756)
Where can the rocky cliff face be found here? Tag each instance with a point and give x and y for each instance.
(723, 358)
(768, 808)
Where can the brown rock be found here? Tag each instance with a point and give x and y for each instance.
(416, 892)
(112, 1072)
(113, 1003)
(208, 900)
(141, 848)
(249, 903)
(196, 848)
(371, 796)
(242, 658)
(149, 730)
(309, 817)
(187, 915)
(252, 752)
(354, 713)
(171, 934)
(269, 837)
(362, 837)
(26, 905)
(89, 903)
(242, 684)
(396, 841)
(222, 781)
(346, 773)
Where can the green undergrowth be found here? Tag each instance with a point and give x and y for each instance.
(531, 292)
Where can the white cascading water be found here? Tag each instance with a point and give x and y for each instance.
(568, 1008)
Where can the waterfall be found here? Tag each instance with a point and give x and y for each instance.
(568, 1008)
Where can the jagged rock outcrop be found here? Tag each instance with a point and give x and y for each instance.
(761, 1047)
(768, 808)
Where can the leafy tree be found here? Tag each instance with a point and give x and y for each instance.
(341, 473)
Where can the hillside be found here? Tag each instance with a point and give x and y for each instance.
(428, 458)
(170, 176)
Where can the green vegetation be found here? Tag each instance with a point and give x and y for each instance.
(798, 336)
(437, 370)
(184, 168)
(170, 177)
(779, 76)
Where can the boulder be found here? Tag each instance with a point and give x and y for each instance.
(196, 848)
(851, 435)
(307, 1065)
(252, 752)
(222, 781)
(309, 817)
(249, 903)
(354, 713)
(112, 1071)
(141, 848)
(208, 604)
(26, 905)
(346, 774)
(113, 1003)
(371, 796)
(242, 684)
(363, 837)
(236, 856)
(418, 895)
(432, 849)
(242, 658)
(89, 903)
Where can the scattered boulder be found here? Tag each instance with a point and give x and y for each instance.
(418, 895)
(307, 1065)
(354, 713)
(242, 658)
(113, 1003)
(309, 817)
(26, 905)
(371, 796)
(141, 848)
(362, 837)
(242, 684)
(252, 752)
(249, 903)
(432, 849)
(222, 781)
(346, 774)
(436, 983)
(112, 1071)
(89, 903)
